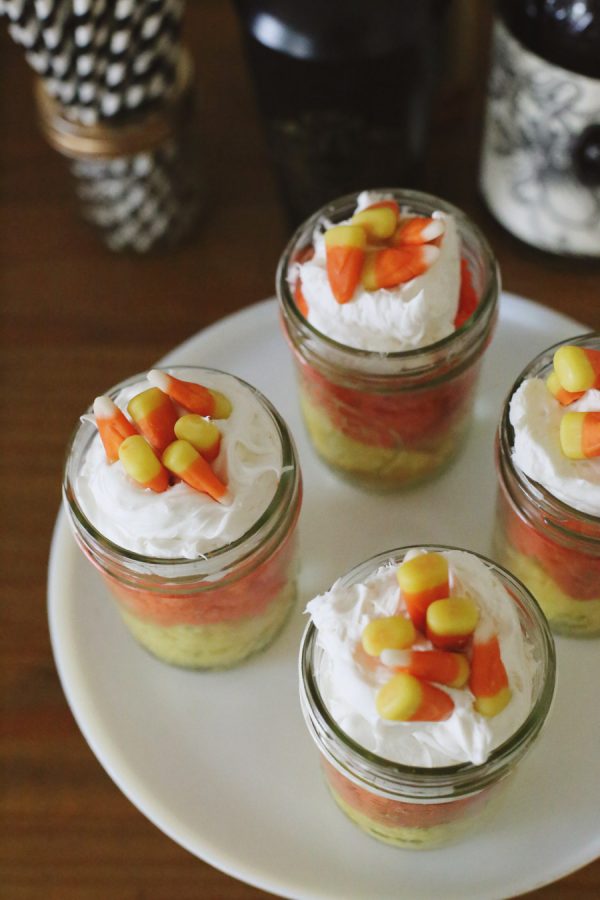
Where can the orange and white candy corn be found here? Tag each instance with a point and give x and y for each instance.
(194, 397)
(451, 622)
(405, 698)
(378, 220)
(423, 579)
(580, 435)
(577, 368)
(344, 255)
(142, 464)
(418, 230)
(155, 416)
(391, 266)
(201, 433)
(185, 462)
(113, 426)
(389, 632)
(451, 669)
(559, 393)
(488, 680)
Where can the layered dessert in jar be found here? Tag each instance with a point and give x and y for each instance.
(183, 488)
(426, 675)
(388, 300)
(548, 458)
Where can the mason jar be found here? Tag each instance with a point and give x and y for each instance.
(390, 420)
(217, 609)
(417, 807)
(550, 545)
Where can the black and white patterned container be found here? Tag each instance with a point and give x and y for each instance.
(138, 182)
(540, 164)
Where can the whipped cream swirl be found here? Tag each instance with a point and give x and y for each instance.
(182, 522)
(349, 688)
(535, 416)
(412, 315)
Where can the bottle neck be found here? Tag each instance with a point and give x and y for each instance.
(564, 32)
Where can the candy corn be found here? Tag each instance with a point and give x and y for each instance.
(405, 698)
(391, 266)
(390, 632)
(345, 253)
(577, 368)
(451, 622)
(113, 426)
(141, 463)
(580, 435)
(185, 462)
(299, 297)
(201, 433)
(559, 393)
(451, 669)
(467, 298)
(378, 220)
(418, 230)
(194, 397)
(423, 579)
(155, 416)
(488, 680)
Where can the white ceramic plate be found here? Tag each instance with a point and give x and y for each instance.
(222, 763)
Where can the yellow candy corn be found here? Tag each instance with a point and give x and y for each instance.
(451, 622)
(577, 368)
(559, 393)
(185, 462)
(488, 680)
(580, 435)
(155, 416)
(378, 220)
(388, 633)
(201, 433)
(423, 579)
(141, 463)
(405, 698)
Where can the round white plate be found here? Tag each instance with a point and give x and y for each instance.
(222, 763)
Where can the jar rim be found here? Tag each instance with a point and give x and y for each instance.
(464, 777)
(288, 481)
(534, 490)
(430, 202)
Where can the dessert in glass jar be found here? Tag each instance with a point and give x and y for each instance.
(388, 300)
(183, 488)
(548, 509)
(426, 675)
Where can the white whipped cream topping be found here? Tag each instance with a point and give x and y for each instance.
(535, 416)
(414, 314)
(182, 522)
(349, 688)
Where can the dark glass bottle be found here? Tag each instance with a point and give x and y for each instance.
(540, 171)
(345, 91)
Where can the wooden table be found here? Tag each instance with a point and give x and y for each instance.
(77, 318)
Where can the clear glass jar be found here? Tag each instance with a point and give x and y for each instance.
(411, 806)
(390, 420)
(551, 546)
(217, 609)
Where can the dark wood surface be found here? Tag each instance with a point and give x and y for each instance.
(76, 318)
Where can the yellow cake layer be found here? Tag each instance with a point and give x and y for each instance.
(567, 615)
(215, 645)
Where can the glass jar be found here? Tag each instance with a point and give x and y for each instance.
(416, 807)
(215, 610)
(551, 546)
(390, 420)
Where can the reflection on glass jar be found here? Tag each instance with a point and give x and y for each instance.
(221, 606)
(552, 546)
(390, 420)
